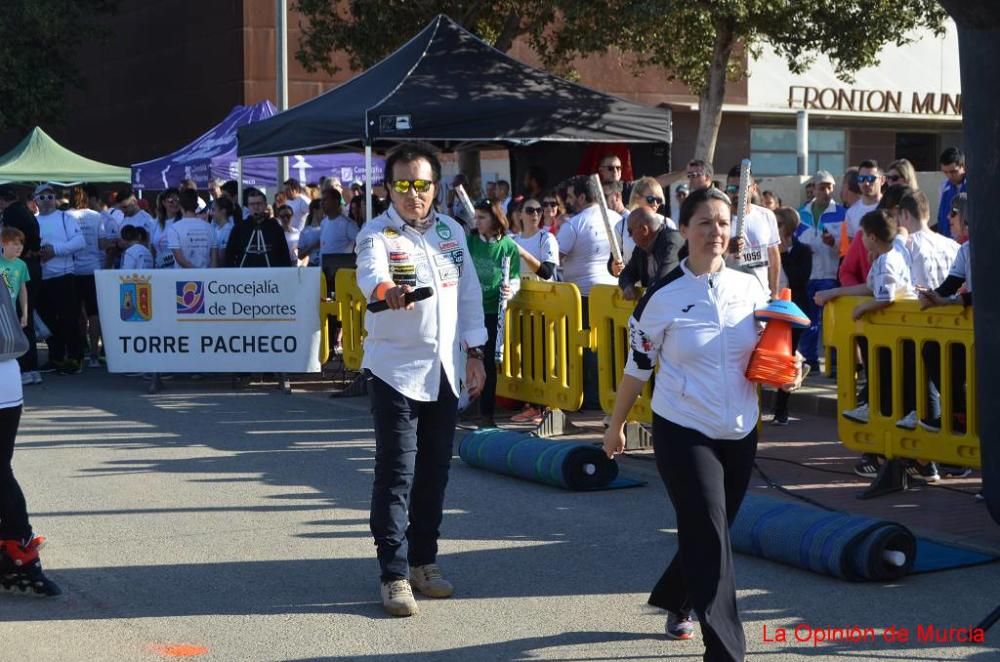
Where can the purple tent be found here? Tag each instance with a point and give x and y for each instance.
(213, 155)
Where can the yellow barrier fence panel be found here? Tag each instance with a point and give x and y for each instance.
(544, 341)
(352, 306)
(905, 347)
(327, 308)
(609, 315)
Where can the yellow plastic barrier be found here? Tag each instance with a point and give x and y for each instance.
(609, 315)
(904, 329)
(351, 310)
(544, 343)
(327, 308)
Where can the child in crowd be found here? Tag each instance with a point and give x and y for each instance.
(14, 270)
(136, 255)
(796, 266)
(487, 247)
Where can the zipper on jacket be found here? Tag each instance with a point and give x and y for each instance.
(722, 348)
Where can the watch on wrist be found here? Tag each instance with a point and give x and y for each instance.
(476, 353)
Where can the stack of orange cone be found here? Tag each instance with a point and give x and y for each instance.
(773, 361)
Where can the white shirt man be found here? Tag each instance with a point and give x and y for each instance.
(760, 247)
(62, 234)
(91, 258)
(300, 210)
(337, 235)
(192, 242)
(583, 244)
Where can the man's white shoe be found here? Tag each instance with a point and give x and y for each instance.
(858, 414)
(909, 422)
(26, 379)
(428, 580)
(397, 598)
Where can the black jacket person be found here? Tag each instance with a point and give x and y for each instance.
(655, 254)
(259, 241)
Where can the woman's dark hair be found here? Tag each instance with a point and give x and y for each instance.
(161, 210)
(225, 204)
(881, 224)
(698, 197)
(495, 210)
(79, 198)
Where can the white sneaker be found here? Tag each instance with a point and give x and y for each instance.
(92, 362)
(36, 377)
(858, 414)
(428, 580)
(908, 422)
(26, 379)
(397, 598)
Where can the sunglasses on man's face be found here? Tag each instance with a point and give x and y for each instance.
(418, 185)
(695, 175)
(532, 210)
(867, 179)
(611, 167)
(45, 196)
(732, 188)
(653, 200)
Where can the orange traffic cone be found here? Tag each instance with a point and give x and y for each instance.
(773, 361)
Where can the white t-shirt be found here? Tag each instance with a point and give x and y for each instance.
(11, 394)
(933, 255)
(195, 239)
(853, 217)
(962, 266)
(91, 224)
(300, 208)
(112, 226)
(309, 240)
(584, 250)
(337, 235)
(889, 278)
(222, 233)
(292, 239)
(625, 240)
(760, 232)
(162, 257)
(140, 219)
(137, 256)
(542, 246)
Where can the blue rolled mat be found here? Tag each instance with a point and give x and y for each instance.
(569, 465)
(830, 543)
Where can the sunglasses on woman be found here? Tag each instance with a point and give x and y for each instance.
(549, 204)
(653, 200)
(532, 210)
(419, 185)
(894, 178)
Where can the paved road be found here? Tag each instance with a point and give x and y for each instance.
(236, 524)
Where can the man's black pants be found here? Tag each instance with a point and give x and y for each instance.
(59, 307)
(413, 448)
(706, 480)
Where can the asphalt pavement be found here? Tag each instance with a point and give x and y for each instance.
(213, 524)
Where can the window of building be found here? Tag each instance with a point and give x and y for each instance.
(772, 151)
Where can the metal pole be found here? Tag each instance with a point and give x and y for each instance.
(368, 182)
(281, 75)
(802, 141)
(239, 184)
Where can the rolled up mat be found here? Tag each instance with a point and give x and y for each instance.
(838, 544)
(569, 465)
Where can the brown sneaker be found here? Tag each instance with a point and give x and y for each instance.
(397, 598)
(428, 580)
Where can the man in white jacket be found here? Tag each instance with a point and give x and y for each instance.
(58, 303)
(412, 359)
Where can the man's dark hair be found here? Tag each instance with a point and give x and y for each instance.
(225, 204)
(188, 199)
(252, 191)
(915, 203)
(408, 153)
(952, 155)
(293, 184)
(734, 171)
(893, 196)
(851, 177)
(8, 193)
(871, 164)
(585, 186)
(125, 194)
(503, 184)
(129, 233)
(706, 167)
(92, 191)
(231, 188)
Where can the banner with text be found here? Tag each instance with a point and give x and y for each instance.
(210, 320)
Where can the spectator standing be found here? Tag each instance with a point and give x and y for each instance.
(759, 254)
(553, 212)
(15, 214)
(224, 214)
(680, 195)
(85, 263)
(932, 253)
(14, 275)
(535, 182)
(308, 251)
(870, 181)
(168, 211)
(796, 265)
(770, 200)
(487, 247)
(901, 171)
(295, 198)
(190, 185)
(338, 233)
(260, 241)
(699, 174)
(503, 193)
(191, 239)
(818, 216)
(58, 301)
(953, 167)
(285, 217)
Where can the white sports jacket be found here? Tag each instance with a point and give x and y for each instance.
(702, 331)
(406, 348)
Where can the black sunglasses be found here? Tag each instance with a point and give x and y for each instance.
(653, 200)
(532, 210)
(550, 205)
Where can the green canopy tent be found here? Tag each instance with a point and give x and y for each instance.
(39, 158)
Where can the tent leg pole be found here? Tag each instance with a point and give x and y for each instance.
(368, 182)
(239, 182)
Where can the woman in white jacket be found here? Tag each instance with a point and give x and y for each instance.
(697, 326)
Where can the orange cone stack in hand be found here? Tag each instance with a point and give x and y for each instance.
(773, 361)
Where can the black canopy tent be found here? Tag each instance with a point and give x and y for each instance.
(447, 87)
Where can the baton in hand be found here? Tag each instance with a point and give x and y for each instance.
(418, 294)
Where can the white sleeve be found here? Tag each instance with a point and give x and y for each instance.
(128, 260)
(885, 282)
(471, 319)
(75, 241)
(173, 238)
(960, 267)
(772, 224)
(566, 238)
(550, 248)
(646, 335)
(373, 262)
